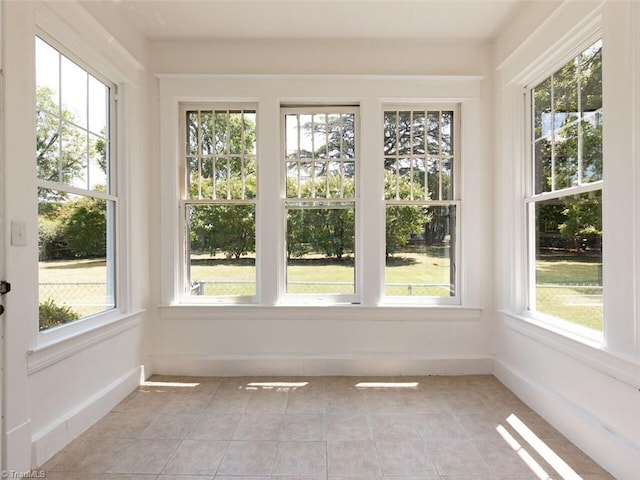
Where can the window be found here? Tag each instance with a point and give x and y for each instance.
(565, 194)
(320, 168)
(219, 202)
(420, 161)
(77, 198)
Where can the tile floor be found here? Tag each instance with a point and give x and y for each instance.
(336, 428)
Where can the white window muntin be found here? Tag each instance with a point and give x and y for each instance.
(341, 199)
(454, 200)
(185, 286)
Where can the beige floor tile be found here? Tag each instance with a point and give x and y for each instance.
(169, 426)
(438, 426)
(481, 425)
(88, 455)
(248, 458)
(145, 456)
(243, 477)
(303, 427)
(121, 425)
(504, 460)
(344, 427)
(426, 402)
(575, 458)
(215, 426)
(228, 401)
(384, 401)
(357, 458)
(267, 401)
(307, 402)
(197, 457)
(259, 427)
(147, 402)
(457, 458)
(96, 476)
(188, 403)
(404, 457)
(345, 401)
(393, 427)
(316, 428)
(187, 477)
(301, 458)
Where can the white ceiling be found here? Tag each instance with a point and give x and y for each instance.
(315, 19)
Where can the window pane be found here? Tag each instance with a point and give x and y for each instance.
(47, 146)
(221, 161)
(592, 147)
(406, 175)
(222, 244)
(97, 163)
(48, 73)
(76, 267)
(321, 248)
(98, 107)
(567, 124)
(74, 156)
(320, 155)
(74, 91)
(420, 250)
(72, 138)
(568, 254)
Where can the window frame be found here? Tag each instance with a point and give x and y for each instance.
(117, 273)
(319, 298)
(184, 295)
(455, 201)
(530, 198)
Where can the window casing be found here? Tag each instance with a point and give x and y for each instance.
(219, 192)
(564, 199)
(318, 217)
(421, 169)
(77, 194)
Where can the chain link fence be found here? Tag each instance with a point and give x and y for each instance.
(576, 303)
(84, 298)
(241, 287)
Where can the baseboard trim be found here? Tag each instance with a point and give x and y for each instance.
(17, 447)
(51, 439)
(331, 364)
(614, 452)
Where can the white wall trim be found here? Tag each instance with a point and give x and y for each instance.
(594, 356)
(319, 365)
(51, 439)
(274, 76)
(396, 313)
(17, 457)
(602, 442)
(45, 356)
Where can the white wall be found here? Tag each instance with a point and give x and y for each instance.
(588, 390)
(55, 385)
(358, 339)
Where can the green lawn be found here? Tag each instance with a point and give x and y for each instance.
(79, 284)
(568, 286)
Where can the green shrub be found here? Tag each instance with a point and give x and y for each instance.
(52, 315)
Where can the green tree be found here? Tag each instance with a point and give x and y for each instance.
(225, 227)
(84, 223)
(61, 148)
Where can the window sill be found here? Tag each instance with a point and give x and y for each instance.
(321, 312)
(54, 349)
(589, 349)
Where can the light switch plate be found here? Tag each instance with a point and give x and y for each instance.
(18, 234)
